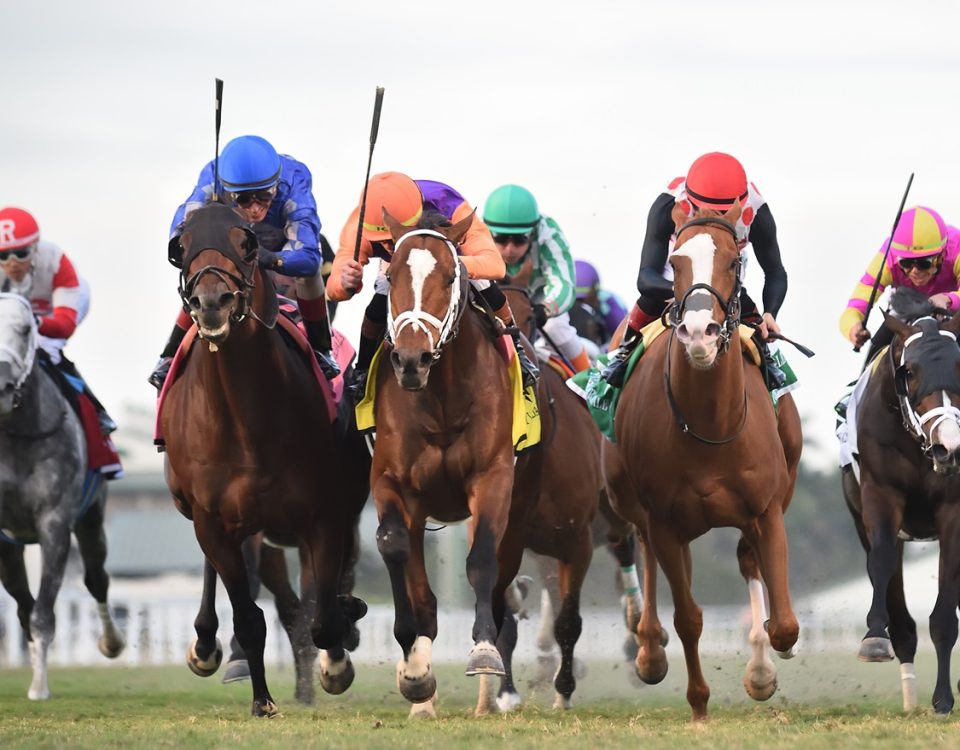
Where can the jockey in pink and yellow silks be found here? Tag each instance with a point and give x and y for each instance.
(924, 254)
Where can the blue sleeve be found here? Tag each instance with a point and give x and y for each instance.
(201, 195)
(298, 211)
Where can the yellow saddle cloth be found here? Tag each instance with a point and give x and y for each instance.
(526, 411)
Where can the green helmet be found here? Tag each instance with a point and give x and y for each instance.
(511, 209)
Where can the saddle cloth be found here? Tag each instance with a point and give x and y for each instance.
(526, 410)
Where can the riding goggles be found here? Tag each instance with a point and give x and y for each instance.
(921, 264)
(512, 239)
(263, 196)
(20, 253)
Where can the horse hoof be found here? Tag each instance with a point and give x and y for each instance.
(507, 702)
(630, 647)
(425, 709)
(651, 668)
(664, 637)
(111, 647)
(267, 709)
(789, 653)
(485, 659)
(336, 676)
(236, 671)
(204, 667)
(562, 702)
(761, 686)
(417, 691)
(875, 649)
(352, 639)
(38, 695)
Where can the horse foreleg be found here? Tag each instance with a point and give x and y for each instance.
(903, 634)
(882, 516)
(760, 679)
(206, 651)
(237, 668)
(568, 625)
(93, 549)
(688, 617)
(249, 624)
(651, 662)
(13, 576)
(275, 577)
(54, 536)
(943, 618)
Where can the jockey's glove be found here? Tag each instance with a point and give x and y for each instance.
(270, 237)
(268, 259)
(540, 315)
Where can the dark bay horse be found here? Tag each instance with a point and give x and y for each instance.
(700, 446)
(559, 523)
(43, 493)
(250, 448)
(444, 451)
(908, 439)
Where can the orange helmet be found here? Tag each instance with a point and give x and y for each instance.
(398, 194)
(716, 180)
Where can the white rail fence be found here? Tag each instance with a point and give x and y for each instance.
(158, 629)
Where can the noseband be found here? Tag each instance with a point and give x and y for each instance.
(731, 305)
(912, 421)
(417, 318)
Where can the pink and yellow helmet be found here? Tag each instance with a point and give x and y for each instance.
(920, 232)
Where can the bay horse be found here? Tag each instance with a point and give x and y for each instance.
(251, 447)
(45, 492)
(444, 451)
(559, 522)
(700, 446)
(908, 439)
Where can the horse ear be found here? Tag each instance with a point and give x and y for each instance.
(397, 230)
(732, 215)
(899, 328)
(175, 249)
(953, 325)
(458, 230)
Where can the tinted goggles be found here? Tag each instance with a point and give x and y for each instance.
(247, 198)
(512, 239)
(921, 264)
(20, 253)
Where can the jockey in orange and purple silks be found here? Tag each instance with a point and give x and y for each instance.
(408, 200)
(925, 255)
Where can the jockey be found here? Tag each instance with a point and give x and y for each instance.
(406, 200)
(714, 182)
(274, 193)
(41, 272)
(537, 253)
(925, 255)
(607, 304)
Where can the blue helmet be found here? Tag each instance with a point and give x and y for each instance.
(249, 163)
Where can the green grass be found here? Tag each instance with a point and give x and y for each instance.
(824, 702)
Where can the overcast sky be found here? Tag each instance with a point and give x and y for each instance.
(107, 118)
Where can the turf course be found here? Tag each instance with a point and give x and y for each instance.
(824, 702)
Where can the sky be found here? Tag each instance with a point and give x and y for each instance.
(108, 117)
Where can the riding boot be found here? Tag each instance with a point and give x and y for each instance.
(159, 374)
(107, 425)
(529, 371)
(774, 376)
(320, 338)
(617, 361)
(371, 334)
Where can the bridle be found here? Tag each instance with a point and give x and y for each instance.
(731, 307)
(912, 421)
(419, 319)
(24, 361)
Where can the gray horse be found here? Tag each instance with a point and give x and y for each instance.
(43, 495)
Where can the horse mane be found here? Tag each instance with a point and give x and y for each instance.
(432, 220)
(908, 304)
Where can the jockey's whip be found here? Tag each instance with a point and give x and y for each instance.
(805, 351)
(876, 281)
(216, 139)
(563, 357)
(374, 127)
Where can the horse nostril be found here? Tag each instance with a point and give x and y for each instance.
(939, 453)
(226, 298)
(682, 331)
(395, 359)
(194, 302)
(713, 329)
(425, 359)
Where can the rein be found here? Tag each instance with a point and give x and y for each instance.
(731, 321)
(419, 319)
(912, 421)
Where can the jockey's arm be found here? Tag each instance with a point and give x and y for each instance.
(480, 255)
(64, 302)
(340, 287)
(556, 267)
(763, 237)
(656, 248)
(300, 256)
(852, 320)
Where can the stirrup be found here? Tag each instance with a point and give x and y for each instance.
(529, 371)
(159, 374)
(328, 364)
(107, 425)
(616, 368)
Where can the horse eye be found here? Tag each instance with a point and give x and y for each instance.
(733, 265)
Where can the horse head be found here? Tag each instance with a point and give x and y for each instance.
(427, 296)
(926, 362)
(18, 348)
(219, 274)
(706, 265)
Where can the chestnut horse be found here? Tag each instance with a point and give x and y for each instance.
(250, 448)
(444, 451)
(908, 439)
(559, 524)
(700, 446)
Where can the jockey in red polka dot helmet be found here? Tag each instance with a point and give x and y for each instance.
(714, 182)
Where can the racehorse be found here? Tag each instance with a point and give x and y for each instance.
(559, 523)
(699, 446)
(908, 436)
(250, 448)
(44, 491)
(444, 451)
